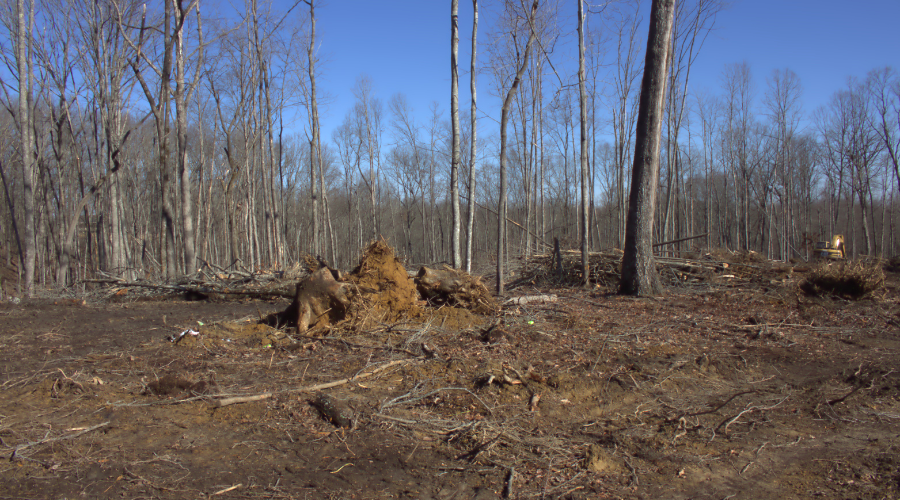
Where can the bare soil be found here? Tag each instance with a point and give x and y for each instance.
(721, 391)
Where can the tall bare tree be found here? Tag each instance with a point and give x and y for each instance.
(693, 21)
(504, 119)
(470, 226)
(624, 111)
(102, 29)
(783, 103)
(315, 141)
(884, 87)
(737, 83)
(454, 114)
(639, 276)
(25, 25)
(21, 41)
(182, 95)
(585, 177)
(368, 114)
(160, 100)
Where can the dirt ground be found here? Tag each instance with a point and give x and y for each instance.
(750, 390)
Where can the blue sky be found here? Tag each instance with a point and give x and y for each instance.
(403, 46)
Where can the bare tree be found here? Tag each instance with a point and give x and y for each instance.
(582, 105)
(628, 67)
(454, 114)
(737, 83)
(864, 148)
(368, 112)
(315, 142)
(639, 276)
(410, 160)
(783, 102)
(884, 86)
(504, 119)
(103, 34)
(181, 97)
(159, 100)
(470, 226)
(24, 27)
(693, 22)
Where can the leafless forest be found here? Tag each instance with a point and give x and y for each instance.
(154, 140)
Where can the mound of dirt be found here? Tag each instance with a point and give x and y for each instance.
(386, 293)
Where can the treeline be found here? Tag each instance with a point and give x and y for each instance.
(149, 141)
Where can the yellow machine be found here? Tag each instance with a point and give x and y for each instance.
(833, 250)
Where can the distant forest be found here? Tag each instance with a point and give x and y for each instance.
(144, 140)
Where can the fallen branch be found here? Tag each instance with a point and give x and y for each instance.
(226, 490)
(523, 228)
(531, 299)
(192, 289)
(750, 409)
(510, 477)
(312, 388)
(59, 438)
(717, 408)
(679, 240)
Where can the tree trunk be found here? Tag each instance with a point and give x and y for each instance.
(582, 104)
(470, 229)
(314, 155)
(639, 276)
(23, 56)
(187, 212)
(454, 111)
(504, 119)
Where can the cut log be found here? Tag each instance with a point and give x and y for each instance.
(320, 300)
(531, 299)
(336, 412)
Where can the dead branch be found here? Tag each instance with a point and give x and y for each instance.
(679, 240)
(531, 299)
(58, 438)
(226, 490)
(508, 490)
(750, 409)
(312, 388)
(192, 289)
(717, 408)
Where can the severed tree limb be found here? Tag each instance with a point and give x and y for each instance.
(713, 410)
(523, 228)
(679, 240)
(194, 289)
(59, 438)
(749, 409)
(312, 388)
(510, 477)
(531, 299)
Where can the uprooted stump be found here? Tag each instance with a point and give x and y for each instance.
(379, 291)
(319, 300)
(454, 287)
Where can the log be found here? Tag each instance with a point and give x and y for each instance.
(336, 412)
(531, 299)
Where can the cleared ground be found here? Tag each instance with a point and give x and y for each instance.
(721, 391)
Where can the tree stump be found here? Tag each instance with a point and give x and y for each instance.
(454, 287)
(320, 300)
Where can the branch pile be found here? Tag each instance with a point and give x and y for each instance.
(719, 269)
